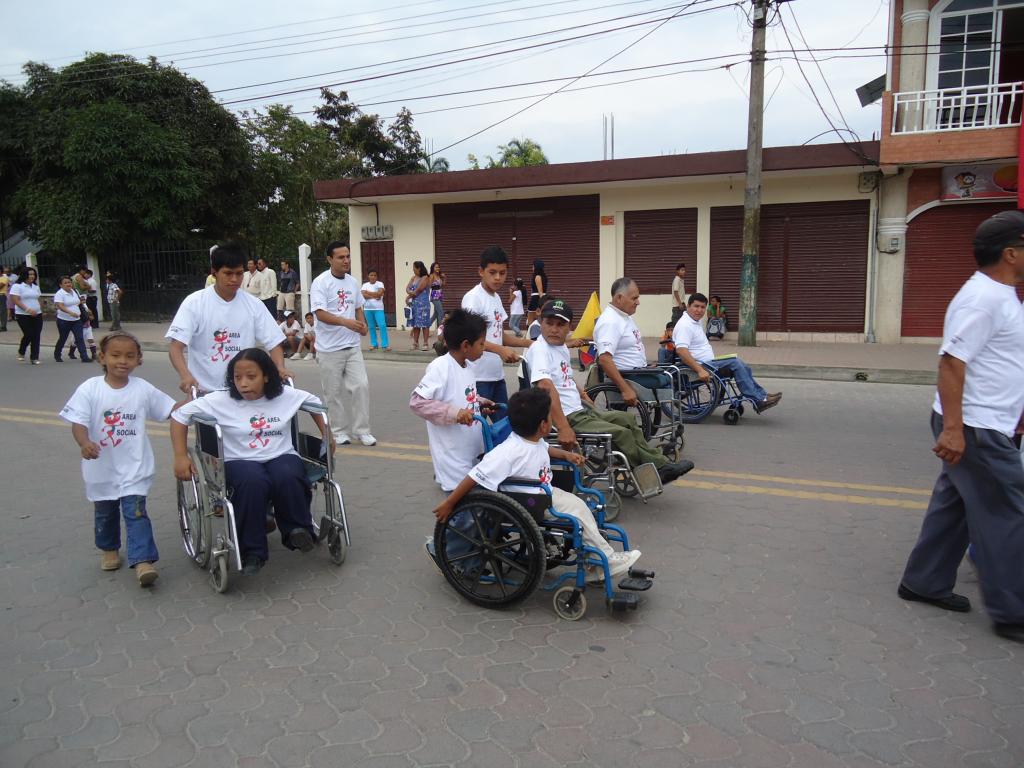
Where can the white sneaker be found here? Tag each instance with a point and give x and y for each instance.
(307, 356)
(367, 439)
(619, 564)
(342, 439)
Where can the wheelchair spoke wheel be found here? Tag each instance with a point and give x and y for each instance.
(490, 550)
(606, 397)
(196, 531)
(612, 506)
(699, 398)
(624, 485)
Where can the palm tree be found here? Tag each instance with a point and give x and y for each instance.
(434, 165)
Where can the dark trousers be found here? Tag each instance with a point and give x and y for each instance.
(271, 305)
(677, 312)
(979, 501)
(65, 327)
(92, 303)
(31, 331)
(281, 480)
(495, 391)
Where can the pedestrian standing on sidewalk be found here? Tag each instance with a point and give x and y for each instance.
(12, 278)
(5, 284)
(977, 420)
(71, 314)
(114, 294)
(538, 291)
(28, 313)
(438, 281)
(417, 297)
(516, 309)
(337, 304)
(373, 310)
(268, 286)
(250, 280)
(108, 416)
(678, 293)
(286, 285)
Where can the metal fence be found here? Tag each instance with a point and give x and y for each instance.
(156, 277)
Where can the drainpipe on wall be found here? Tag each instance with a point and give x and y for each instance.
(869, 337)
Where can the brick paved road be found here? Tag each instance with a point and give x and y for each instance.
(772, 637)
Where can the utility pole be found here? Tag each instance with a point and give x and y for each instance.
(752, 193)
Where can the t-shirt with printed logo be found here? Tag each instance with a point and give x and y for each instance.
(454, 448)
(215, 331)
(253, 430)
(515, 457)
(553, 363)
(116, 421)
(341, 297)
(615, 332)
(488, 305)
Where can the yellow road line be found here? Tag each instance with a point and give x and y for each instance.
(760, 490)
(344, 450)
(408, 446)
(813, 483)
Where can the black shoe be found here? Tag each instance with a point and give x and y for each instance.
(670, 471)
(685, 465)
(301, 540)
(73, 354)
(58, 359)
(953, 602)
(1014, 632)
(252, 565)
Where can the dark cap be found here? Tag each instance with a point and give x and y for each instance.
(557, 308)
(999, 231)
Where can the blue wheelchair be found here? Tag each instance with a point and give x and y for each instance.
(497, 548)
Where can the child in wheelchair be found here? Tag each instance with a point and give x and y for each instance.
(260, 461)
(525, 454)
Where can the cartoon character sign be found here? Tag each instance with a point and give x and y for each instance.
(220, 339)
(566, 375)
(965, 182)
(496, 326)
(638, 339)
(258, 423)
(344, 299)
(111, 421)
(471, 398)
(545, 475)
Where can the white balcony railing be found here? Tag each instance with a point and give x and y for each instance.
(958, 109)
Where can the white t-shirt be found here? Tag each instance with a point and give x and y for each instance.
(488, 306)
(369, 304)
(69, 299)
(616, 332)
(253, 430)
(517, 303)
(116, 420)
(515, 457)
(268, 283)
(340, 297)
(308, 330)
(290, 330)
(29, 295)
(251, 283)
(984, 327)
(453, 447)
(93, 285)
(112, 291)
(554, 364)
(689, 335)
(215, 331)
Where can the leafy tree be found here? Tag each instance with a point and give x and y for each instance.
(435, 165)
(518, 153)
(14, 152)
(289, 154)
(123, 151)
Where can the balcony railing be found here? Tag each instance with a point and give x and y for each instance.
(958, 109)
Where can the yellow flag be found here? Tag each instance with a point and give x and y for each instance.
(585, 327)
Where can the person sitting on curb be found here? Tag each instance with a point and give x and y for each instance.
(694, 349)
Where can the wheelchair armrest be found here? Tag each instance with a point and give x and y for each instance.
(529, 482)
(648, 378)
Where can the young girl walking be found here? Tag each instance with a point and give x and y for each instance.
(108, 421)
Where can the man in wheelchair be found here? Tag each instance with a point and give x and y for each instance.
(572, 409)
(694, 349)
(526, 455)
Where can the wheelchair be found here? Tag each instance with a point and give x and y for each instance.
(207, 518)
(729, 394)
(497, 548)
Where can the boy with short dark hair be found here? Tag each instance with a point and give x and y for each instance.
(485, 300)
(525, 454)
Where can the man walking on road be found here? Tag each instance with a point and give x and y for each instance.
(268, 286)
(337, 303)
(977, 420)
(286, 286)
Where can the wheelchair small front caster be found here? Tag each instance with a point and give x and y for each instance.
(731, 417)
(570, 603)
(219, 573)
(336, 546)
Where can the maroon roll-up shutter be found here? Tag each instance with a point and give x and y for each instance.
(940, 259)
(656, 242)
(379, 256)
(561, 231)
(811, 270)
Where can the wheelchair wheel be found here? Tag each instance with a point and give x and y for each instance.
(699, 399)
(731, 417)
(606, 397)
(195, 526)
(491, 550)
(570, 603)
(219, 573)
(624, 485)
(336, 546)
(612, 506)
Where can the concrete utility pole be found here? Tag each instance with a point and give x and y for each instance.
(752, 194)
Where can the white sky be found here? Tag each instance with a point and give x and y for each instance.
(689, 112)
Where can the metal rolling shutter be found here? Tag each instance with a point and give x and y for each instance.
(656, 241)
(812, 267)
(940, 259)
(562, 231)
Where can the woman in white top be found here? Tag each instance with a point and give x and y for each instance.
(516, 309)
(71, 312)
(25, 297)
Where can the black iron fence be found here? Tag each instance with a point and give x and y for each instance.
(156, 277)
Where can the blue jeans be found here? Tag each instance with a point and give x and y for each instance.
(141, 546)
(495, 391)
(438, 306)
(64, 329)
(375, 320)
(744, 378)
(515, 324)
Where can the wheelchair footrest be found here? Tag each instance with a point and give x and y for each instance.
(648, 482)
(620, 601)
(636, 585)
(641, 573)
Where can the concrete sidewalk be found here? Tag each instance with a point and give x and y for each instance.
(884, 363)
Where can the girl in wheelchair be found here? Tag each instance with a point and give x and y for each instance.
(525, 454)
(261, 463)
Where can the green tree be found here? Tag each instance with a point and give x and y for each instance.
(289, 154)
(123, 151)
(518, 153)
(435, 165)
(15, 161)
